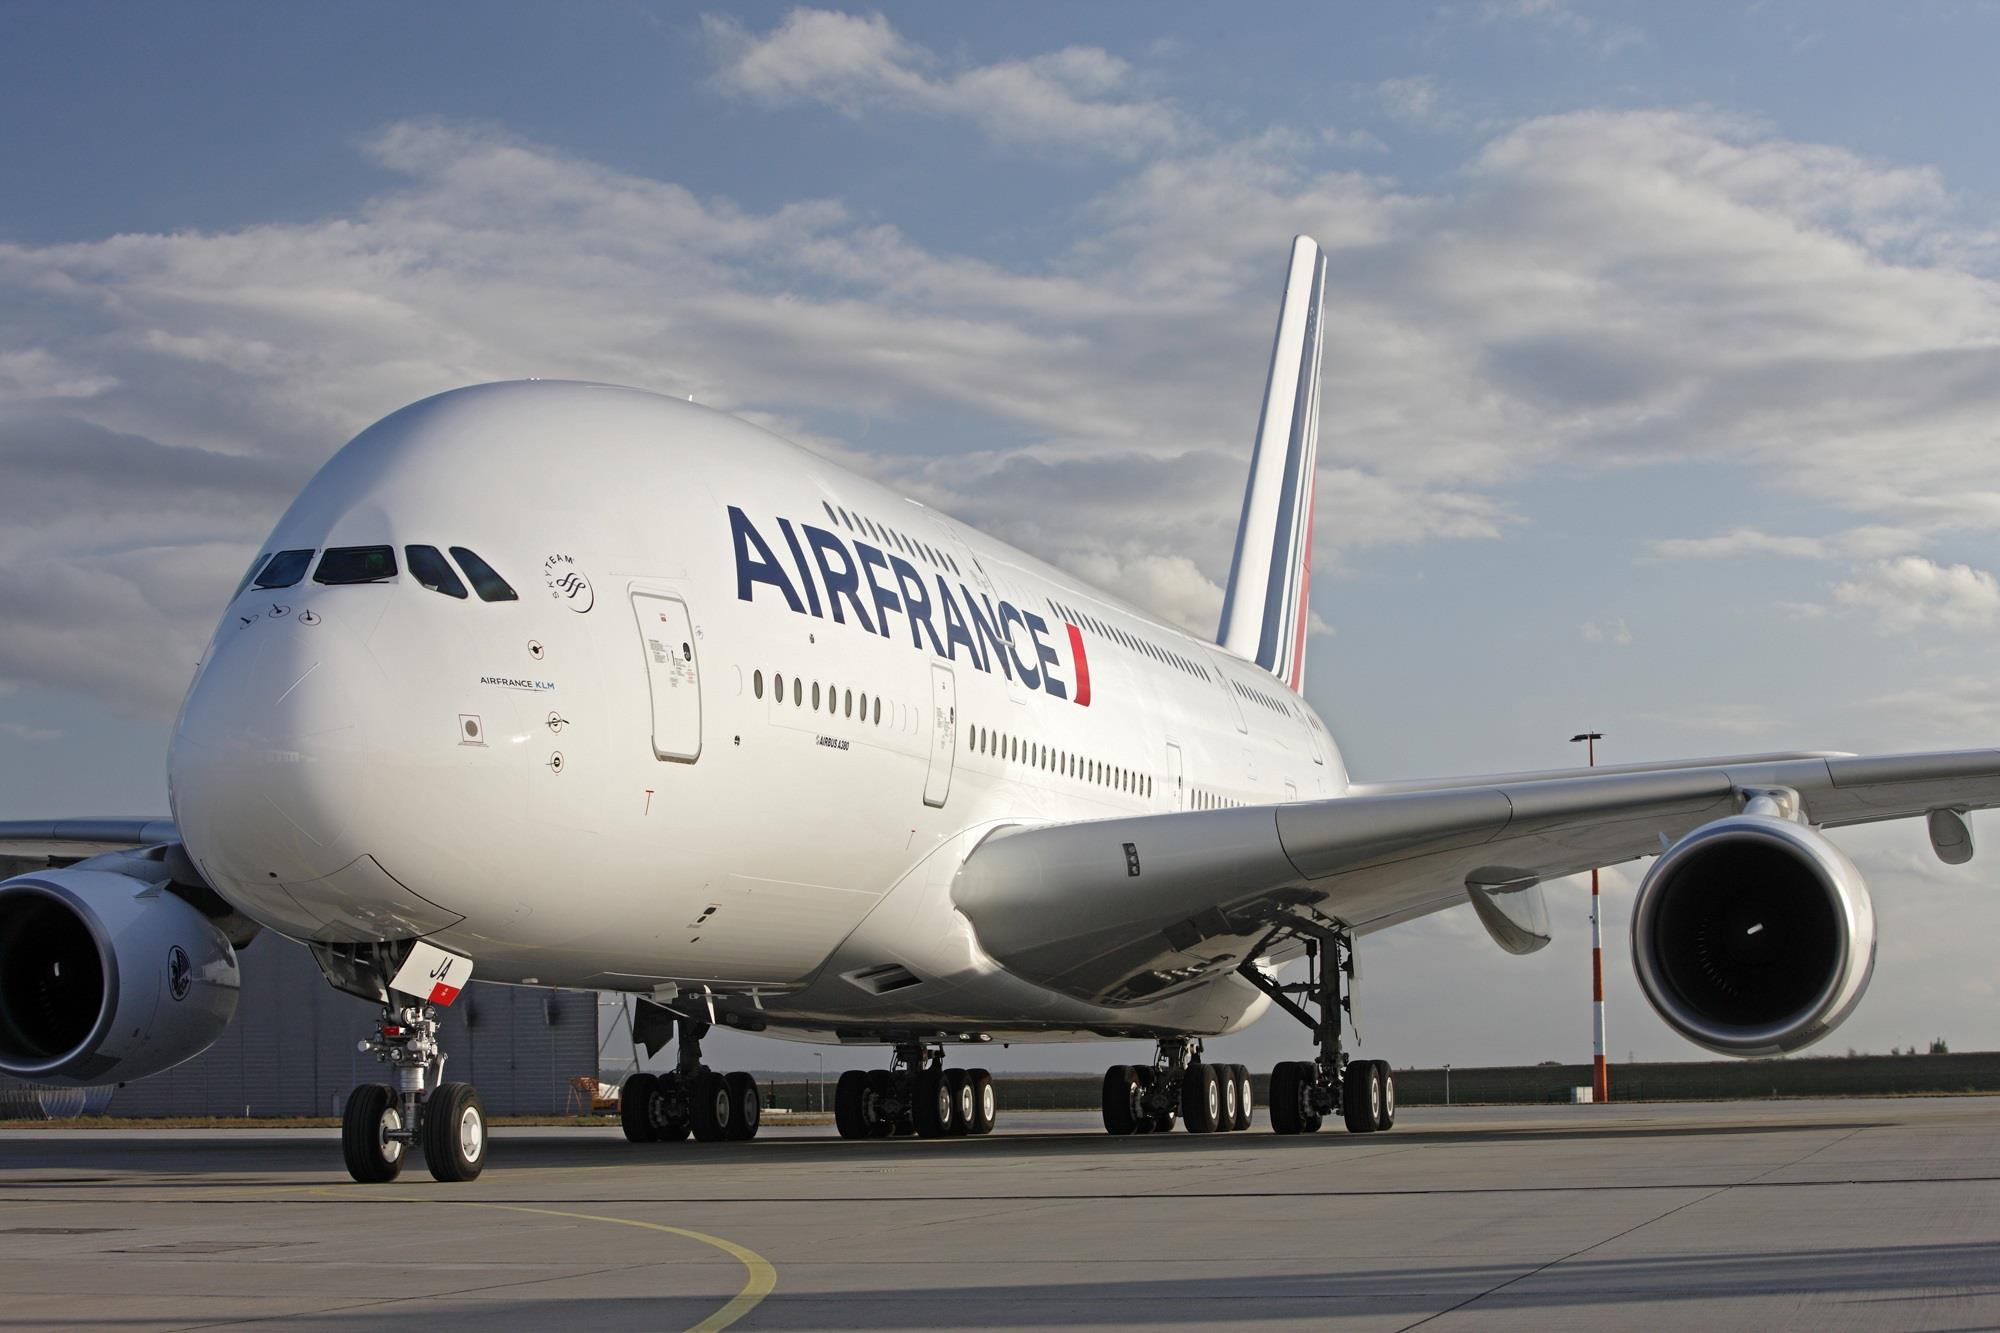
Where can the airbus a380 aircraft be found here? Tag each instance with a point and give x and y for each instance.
(583, 686)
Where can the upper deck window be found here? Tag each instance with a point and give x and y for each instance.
(356, 564)
(285, 569)
(486, 581)
(429, 567)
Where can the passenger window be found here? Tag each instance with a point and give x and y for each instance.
(799, 692)
(878, 711)
(249, 574)
(429, 567)
(356, 564)
(847, 704)
(286, 568)
(486, 581)
(815, 696)
(778, 688)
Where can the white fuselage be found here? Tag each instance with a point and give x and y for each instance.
(662, 764)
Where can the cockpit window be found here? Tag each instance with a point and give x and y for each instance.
(356, 564)
(429, 567)
(285, 569)
(486, 581)
(249, 574)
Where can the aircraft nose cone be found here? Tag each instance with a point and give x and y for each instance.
(268, 750)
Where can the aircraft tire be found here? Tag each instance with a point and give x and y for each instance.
(1121, 1100)
(454, 1134)
(959, 1083)
(1243, 1095)
(709, 1107)
(1385, 1114)
(373, 1158)
(1361, 1097)
(746, 1106)
(934, 1104)
(1201, 1099)
(1225, 1100)
(882, 1125)
(985, 1103)
(635, 1108)
(1289, 1107)
(850, 1105)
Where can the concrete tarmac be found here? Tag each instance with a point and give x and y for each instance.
(1813, 1214)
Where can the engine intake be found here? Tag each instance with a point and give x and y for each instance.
(105, 977)
(1753, 935)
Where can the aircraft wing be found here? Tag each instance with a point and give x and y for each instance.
(31, 844)
(1123, 910)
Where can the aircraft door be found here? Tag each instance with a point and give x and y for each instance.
(1176, 786)
(944, 734)
(666, 632)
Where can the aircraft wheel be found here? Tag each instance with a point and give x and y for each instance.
(959, 1083)
(455, 1132)
(746, 1107)
(985, 1103)
(1243, 1095)
(1121, 1100)
(1291, 1097)
(1361, 1097)
(934, 1104)
(371, 1115)
(1225, 1087)
(709, 1105)
(881, 1124)
(1385, 1113)
(1201, 1099)
(850, 1105)
(635, 1107)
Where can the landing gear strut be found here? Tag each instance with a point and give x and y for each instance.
(1147, 1099)
(917, 1095)
(1305, 1092)
(382, 1121)
(691, 1099)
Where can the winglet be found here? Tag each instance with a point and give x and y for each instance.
(1264, 609)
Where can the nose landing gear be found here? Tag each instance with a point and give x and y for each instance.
(382, 1121)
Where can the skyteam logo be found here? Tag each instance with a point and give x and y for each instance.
(868, 586)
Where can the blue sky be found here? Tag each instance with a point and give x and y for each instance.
(1660, 388)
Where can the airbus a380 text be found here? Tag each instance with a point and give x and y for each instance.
(567, 684)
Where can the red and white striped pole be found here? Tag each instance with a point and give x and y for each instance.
(1600, 1075)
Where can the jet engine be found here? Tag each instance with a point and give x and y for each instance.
(105, 977)
(1753, 935)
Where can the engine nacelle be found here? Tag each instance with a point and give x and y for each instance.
(1753, 935)
(104, 977)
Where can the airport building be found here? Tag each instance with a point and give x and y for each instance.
(292, 1050)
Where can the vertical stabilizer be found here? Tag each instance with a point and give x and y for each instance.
(1264, 609)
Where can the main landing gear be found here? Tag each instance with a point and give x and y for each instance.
(916, 1095)
(383, 1121)
(1305, 1092)
(691, 1099)
(1147, 1099)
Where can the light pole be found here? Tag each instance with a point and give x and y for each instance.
(1447, 1085)
(1600, 1076)
(819, 1058)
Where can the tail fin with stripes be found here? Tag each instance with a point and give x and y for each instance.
(1264, 609)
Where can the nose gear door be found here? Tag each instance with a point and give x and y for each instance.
(666, 632)
(944, 734)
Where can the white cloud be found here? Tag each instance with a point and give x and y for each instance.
(1615, 632)
(1416, 100)
(1861, 542)
(20, 731)
(1909, 592)
(1080, 97)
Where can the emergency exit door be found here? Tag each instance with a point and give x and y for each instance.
(944, 734)
(666, 632)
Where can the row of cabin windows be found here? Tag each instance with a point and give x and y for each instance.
(1164, 656)
(377, 564)
(1199, 799)
(1017, 750)
(888, 536)
(832, 699)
